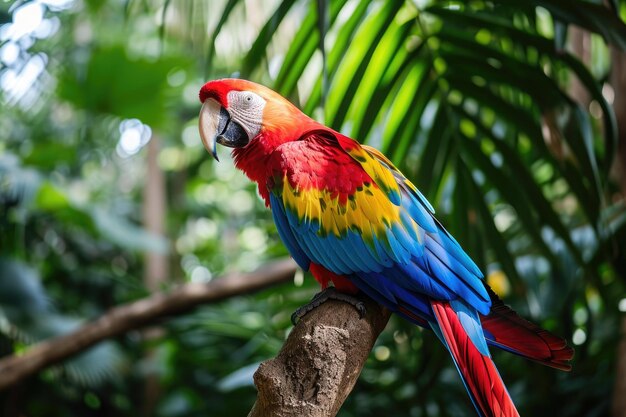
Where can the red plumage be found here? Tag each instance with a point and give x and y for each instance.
(324, 277)
(516, 334)
(332, 169)
(478, 371)
(296, 152)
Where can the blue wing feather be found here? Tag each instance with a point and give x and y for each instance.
(458, 268)
(384, 238)
(378, 287)
(286, 234)
(418, 212)
(471, 324)
(419, 281)
(414, 259)
(451, 246)
(367, 262)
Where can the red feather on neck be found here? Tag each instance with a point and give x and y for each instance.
(282, 123)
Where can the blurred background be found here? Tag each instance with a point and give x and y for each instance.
(506, 114)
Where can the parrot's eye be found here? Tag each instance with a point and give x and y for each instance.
(246, 108)
(246, 100)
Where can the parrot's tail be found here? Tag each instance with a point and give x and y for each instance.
(507, 330)
(460, 330)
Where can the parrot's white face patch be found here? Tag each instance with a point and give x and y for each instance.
(246, 108)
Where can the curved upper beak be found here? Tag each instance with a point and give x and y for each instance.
(216, 126)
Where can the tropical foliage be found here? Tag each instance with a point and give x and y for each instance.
(478, 102)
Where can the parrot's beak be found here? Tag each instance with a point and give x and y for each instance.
(216, 126)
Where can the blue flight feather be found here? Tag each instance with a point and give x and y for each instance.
(407, 262)
(286, 234)
(471, 324)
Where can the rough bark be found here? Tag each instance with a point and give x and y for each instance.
(319, 363)
(137, 314)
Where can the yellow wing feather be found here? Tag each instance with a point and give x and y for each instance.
(369, 210)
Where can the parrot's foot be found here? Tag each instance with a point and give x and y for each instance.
(330, 293)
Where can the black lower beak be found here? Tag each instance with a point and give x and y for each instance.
(231, 133)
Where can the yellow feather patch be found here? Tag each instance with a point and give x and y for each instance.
(381, 176)
(368, 211)
(381, 157)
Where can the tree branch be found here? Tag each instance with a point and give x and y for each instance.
(319, 363)
(139, 313)
(312, 375)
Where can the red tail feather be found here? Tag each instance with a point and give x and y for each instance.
(479, 373)
(515, 334)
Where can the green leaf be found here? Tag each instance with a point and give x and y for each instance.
(127, 235)
(594, 17)
(466, 19)
(301, 50)
(610, 123)
(354, 64)
(337, 52)
(257, 52)
(587, 199)
(469, 58)
(393, 78)
(50, 155)
(533, 193)
(402, 109)
(322, 27)
(228, 9)
(22, 296)
(50, 198)
(435, 155)
(502, 181)
(135, 89)
(497, 242)
(580, 138)
(18, 184)
(516, 116)
(460, 201)
(400, 143)
(25, 304)
(378, 79)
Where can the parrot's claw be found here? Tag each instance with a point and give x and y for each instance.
(330, 293)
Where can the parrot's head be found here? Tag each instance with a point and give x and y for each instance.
(237, 112)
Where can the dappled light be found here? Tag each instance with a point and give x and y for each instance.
(508, 116)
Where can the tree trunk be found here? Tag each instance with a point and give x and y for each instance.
(156, 269)
(319, 363)
(618, 82)
(619, 390)
(579, 42)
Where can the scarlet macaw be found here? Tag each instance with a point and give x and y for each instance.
(348, 215)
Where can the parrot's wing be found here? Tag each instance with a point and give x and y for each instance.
(286, 233)
(381, 233)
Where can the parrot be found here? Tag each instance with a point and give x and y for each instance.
(349, 217)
